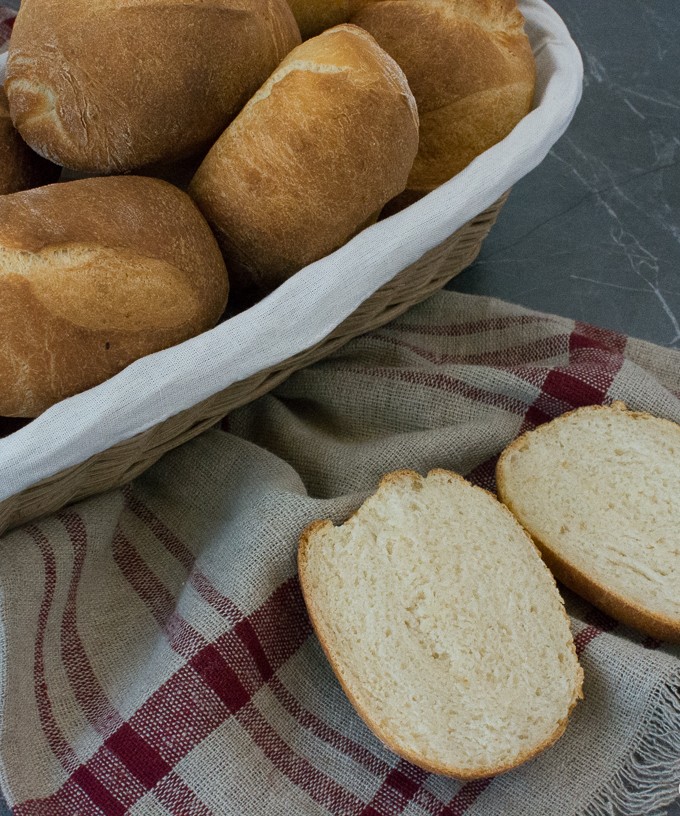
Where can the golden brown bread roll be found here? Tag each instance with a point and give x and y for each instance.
(20, 167)
(472, 72)
(117, 86)
(311, 159)
(315, 16)
(94, 274)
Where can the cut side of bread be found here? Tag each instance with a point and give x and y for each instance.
(598, 489)
(443, 625)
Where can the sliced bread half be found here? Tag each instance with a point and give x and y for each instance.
(443, 625)
(599, 491)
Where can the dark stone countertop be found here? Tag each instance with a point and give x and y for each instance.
(594, 232)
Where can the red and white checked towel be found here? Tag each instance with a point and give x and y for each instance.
(156, 657)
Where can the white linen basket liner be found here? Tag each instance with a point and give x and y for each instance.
(310, 305)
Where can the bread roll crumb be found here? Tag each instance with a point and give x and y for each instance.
(597, 488)
(443, 625)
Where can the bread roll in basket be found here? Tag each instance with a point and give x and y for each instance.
(109, 434)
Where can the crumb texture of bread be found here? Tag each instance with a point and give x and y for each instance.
(443, 625)
(598, 489)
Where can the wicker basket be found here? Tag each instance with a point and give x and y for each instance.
(121, 463)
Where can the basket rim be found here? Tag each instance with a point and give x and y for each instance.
(330, 290)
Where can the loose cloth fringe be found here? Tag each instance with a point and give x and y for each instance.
(649, 780)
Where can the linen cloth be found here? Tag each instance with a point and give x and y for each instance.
(156, 657)
(310, 305)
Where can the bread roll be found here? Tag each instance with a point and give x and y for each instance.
(311, 159)
(472, 72)
(597, 488)
(443, 625)
(118, 86)
(315, 16)
(94, 274)
(20, 167)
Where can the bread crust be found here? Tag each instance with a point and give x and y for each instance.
(472, 73)
(612, 603)
(123, 85)
(463, 774)
(315, 16)
(20, 167)
(94, 274)
(312, 158)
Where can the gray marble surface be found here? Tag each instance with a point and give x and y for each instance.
(594, 232)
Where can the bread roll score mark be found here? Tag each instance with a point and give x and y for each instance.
(33, 102)
(104, 288)
(294, 65)
(37, 109)
(443, 625)
(391, 69)
(491, 15)
(95, 274)
(20, 167)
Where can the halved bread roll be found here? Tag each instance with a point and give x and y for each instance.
(598, 490)
(443, 625)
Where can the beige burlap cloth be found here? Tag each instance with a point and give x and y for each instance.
(156, 657)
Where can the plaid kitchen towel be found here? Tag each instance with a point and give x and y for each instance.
(156, 657)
